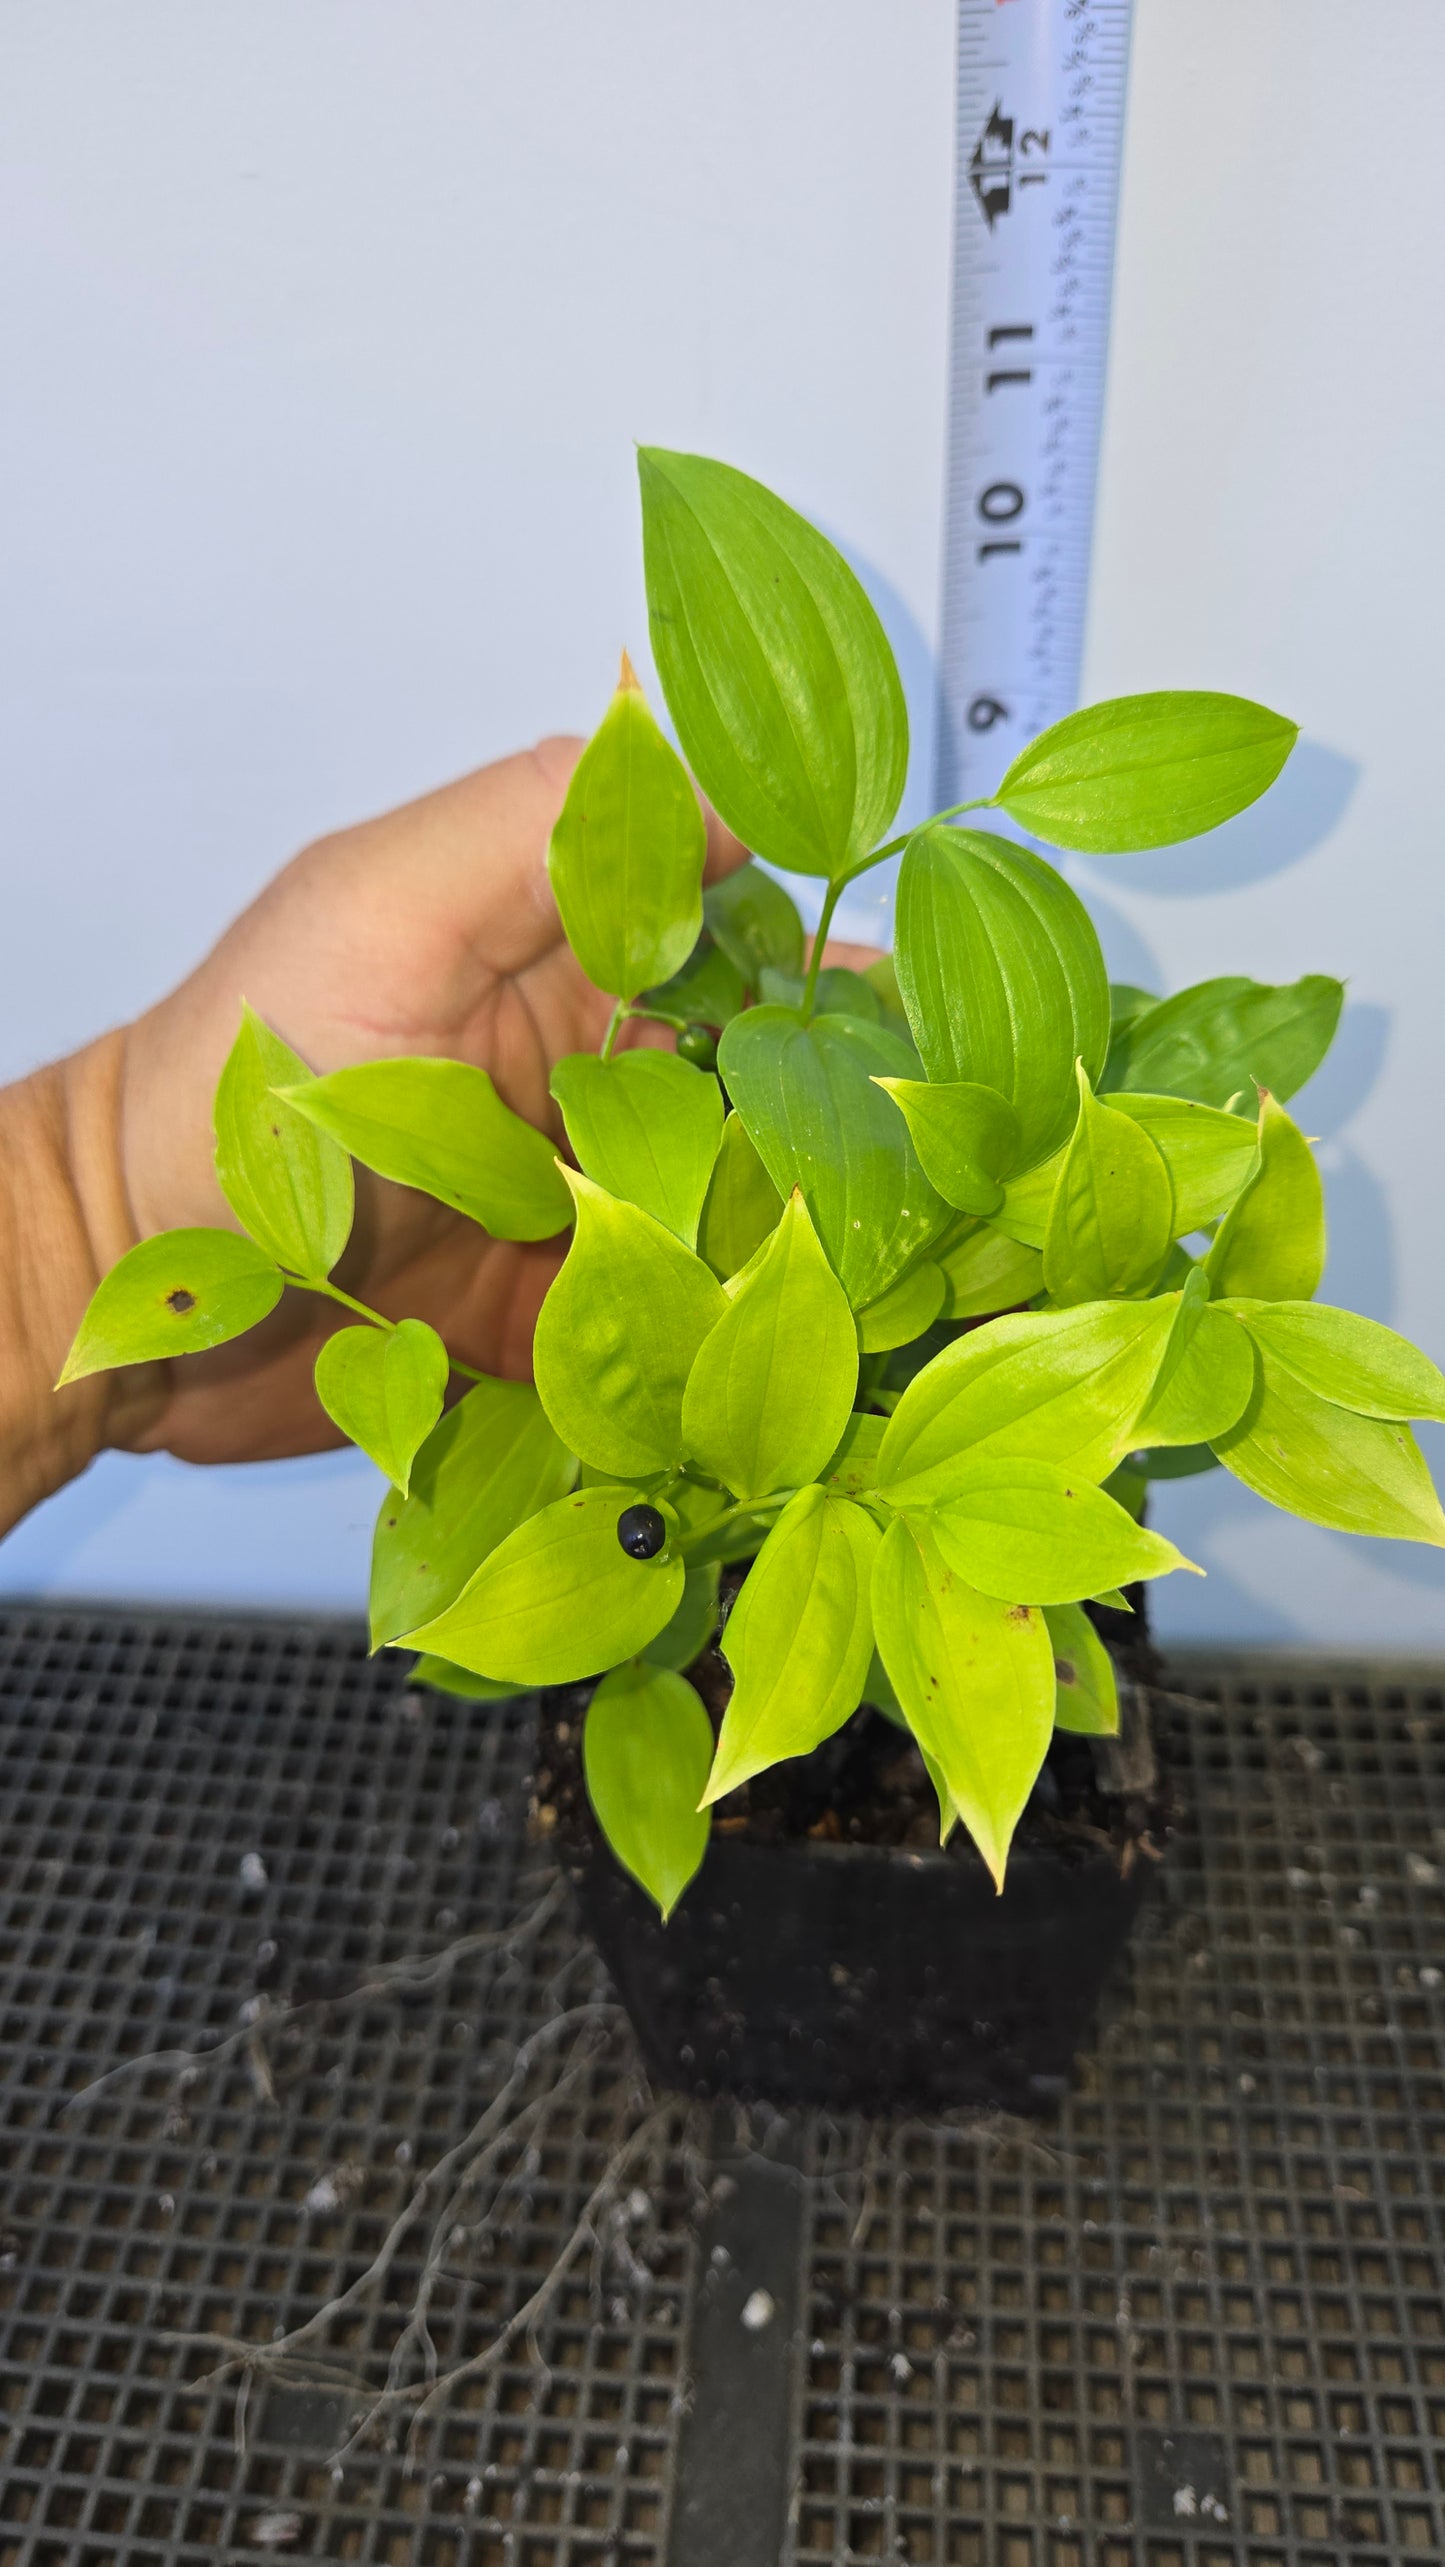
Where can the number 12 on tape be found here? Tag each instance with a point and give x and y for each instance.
(1040, 122)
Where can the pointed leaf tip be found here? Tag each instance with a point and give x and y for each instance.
(628, 680)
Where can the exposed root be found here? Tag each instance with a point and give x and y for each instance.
(415, 1973)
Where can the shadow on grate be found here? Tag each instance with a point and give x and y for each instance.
(1194, 2319)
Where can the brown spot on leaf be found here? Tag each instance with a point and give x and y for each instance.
(180, 1301)
(1066, 1671)
(1020, 1612)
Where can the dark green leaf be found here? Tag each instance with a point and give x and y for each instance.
(384, 1388)
(646, 1127)
(707, 991)
(775, 667)
(1354, 1363)
(1060, 1386)
(1357, 1474)
(560, 1599)
(1087, 1699)
(807, 1098)
(799, 1638)
(175, 1294)
(1032, 1534)
(1145, 770)
(616, 1336)
(492, 1462)
(440, 1126)
(1112, 1216)
(975, 1677)
(287, 1184)
(626, 854)
(1226, 1037)
(1271, 1246)
(444, 1678)
(1002, 976)
(646, 1749)
(1173, 1462)
(1126, 1002)
(755, 922)
(772, 1383)
(967, 1137)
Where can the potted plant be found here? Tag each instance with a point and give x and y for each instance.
(887, 1294)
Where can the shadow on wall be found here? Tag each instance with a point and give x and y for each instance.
(1296, 816)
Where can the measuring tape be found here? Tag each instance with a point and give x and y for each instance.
(1040, 123)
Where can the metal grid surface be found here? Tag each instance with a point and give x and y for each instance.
(1196, 2319)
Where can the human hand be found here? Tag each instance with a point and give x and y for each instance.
(429, 931)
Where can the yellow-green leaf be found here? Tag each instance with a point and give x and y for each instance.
(1087, 1699)
(646, 1747)
(1352, 1362)
(1271, 1247)
(492, 1462)
(288, 1184)
(385, 1388)
(1112, 1216)
(799, 1638)
(985, 1272)
(646, 1126)
(967, 1137)
(904, 1311)
(1357, 1474)
(176, 1294)
(1145, 770)
(772, 1384)
(617, 1333)
(626, 854)
(1031, 1533)
(742, 1203)
(560, 1599)
(440, 1126)
(974, 1676)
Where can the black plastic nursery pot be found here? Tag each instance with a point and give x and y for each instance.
(806, 1964)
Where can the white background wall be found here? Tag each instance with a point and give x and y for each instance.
(330, 325)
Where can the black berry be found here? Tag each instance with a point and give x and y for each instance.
(641, 1532)
(698, 1044)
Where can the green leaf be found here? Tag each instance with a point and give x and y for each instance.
(1087, 1699)
(175, 1294)
(1060, 1386)
(837, 992)
(646, 1126)
(440, 1126)
(492, 1462)
(975, 1677)
(617, 1333)
(1126, 1002)
(1271, 1246)
(646, 1748)
(772, 1384)
(882, 978)
(626, 854)
(1354, 1363)
(904, 1311)
(287, 1184)
(1173, 1462)
(985, 1272)
(707, 991)
(1145, 770)
(1209, 1155)
(1028, 1532)
(967, 1137)
(807, 1097)
(560, 1599)
(444, 1678)
(1028, 1201)
(1224, 1036)
(854, 1466)
(1206, 1391)
(755, 922)
(1002, 976)
(385, 1388)
(799, 1638)
(694, 1623)
(1112, 1217)
(775, 667)
(1356, 1474)
(742, 1203)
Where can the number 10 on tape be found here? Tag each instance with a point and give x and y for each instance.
(1040, 122)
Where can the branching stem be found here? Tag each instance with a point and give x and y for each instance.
(375, 1318)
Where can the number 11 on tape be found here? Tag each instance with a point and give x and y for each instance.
(1040, 122)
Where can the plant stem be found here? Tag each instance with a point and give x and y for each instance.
(735, 1515)
(831, 899)
(374, 1318)
(614, 1029)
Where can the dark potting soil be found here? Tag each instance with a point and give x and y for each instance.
(868, 1785)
